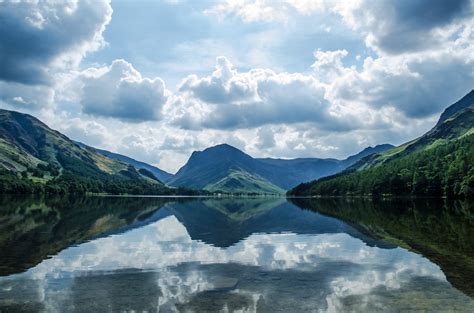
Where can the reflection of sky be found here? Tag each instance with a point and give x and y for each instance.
(182, 268)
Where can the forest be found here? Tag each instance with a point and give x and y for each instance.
(445, 170)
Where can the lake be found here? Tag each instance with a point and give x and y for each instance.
(138, 254)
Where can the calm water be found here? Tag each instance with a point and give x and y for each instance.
(111, 254)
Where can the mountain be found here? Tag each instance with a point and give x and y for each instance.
(366, 152)
(435, 164)
(223, 168)
(465, 102)
(287, 173)
(157, 172)
(227, 169)
(35, 158)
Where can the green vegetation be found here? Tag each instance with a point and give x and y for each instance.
(243, 182)
(445, 170)
(36, 159)
(72, 183)
(157, 173)
(439, 163)
(226, 169)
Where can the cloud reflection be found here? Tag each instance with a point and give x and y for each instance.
(161, 265)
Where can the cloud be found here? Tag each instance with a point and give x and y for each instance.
(402, 26)
(229, 99)
(25, 97)
(328, 64)
(121, 92)
(264, 10)
(266, 138)
(388, 26)
(224, 85)
(90, 132)
(291, 90)
(417, 85)
(38, 36)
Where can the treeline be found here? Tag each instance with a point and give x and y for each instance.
(446, 170)
(75, 176)
(69, 183)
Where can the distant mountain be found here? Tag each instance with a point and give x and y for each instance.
(366, 152)
(287, 173)
(227, 169)
(223, 168)
(438, 163)
(35, 158)
(163, 176)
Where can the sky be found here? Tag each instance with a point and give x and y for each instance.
(156, 80)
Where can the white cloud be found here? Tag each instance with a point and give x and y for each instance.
(120, 91)
(86, 131)
(25, 97)
(328, 64)
(265, 10)
(417, 85)
(229, 99)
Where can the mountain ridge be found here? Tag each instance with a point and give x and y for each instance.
(37, 159)
(162, 175)
(438, 163)
(204, 169)
(36, 156)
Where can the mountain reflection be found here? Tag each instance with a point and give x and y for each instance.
(441, 231)
(224, 255)
(224, 222)
(32, 228)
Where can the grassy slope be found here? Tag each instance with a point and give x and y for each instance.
(237, 181)
(163, 176)
(34, 157)
(25, 141)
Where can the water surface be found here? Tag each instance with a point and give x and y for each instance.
(100, 254)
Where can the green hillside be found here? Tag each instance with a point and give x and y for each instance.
(238, 181)
(224, 168)
(36, 159)
(439, 163)
(140, 166)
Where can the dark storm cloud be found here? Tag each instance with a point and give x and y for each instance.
(407, 25)
(32, 36)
